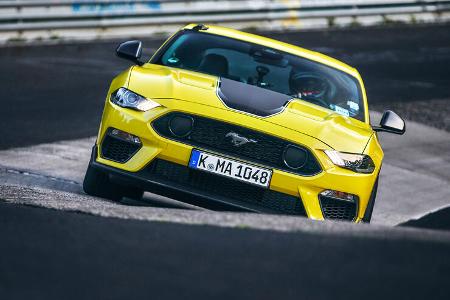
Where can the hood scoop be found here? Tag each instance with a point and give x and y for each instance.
(251, 99)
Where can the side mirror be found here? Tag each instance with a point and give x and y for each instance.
(130, 50)
(391, 122)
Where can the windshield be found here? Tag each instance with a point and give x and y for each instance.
(265, 68)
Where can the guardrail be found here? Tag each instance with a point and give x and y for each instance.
(25, 17)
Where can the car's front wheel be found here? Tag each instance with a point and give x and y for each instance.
(369, 210)
(97, 183)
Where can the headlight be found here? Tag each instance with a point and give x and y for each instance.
(128, 99)
(359, 163)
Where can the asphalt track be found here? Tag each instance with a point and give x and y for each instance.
(55, 255)
(85, 247)
(436, 220)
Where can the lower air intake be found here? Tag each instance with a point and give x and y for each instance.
(221, 186)
(117, 149)
(335, 209)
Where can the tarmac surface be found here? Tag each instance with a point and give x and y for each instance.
(81, 246)
(439, 219)
(56, 255)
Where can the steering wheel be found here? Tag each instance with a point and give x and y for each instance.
(311, 87)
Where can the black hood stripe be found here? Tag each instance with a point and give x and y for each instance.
(251, 99)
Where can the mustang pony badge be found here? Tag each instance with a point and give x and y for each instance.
(238, 140)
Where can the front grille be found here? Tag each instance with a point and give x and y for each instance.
(215, 185)
(335, 209)
(117, 150)
(263, 149)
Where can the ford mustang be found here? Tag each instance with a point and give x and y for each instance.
(237, 121)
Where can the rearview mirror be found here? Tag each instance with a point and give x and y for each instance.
(130, 50)
(391, 122)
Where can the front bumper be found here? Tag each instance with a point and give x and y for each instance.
(179, 182)
(295, 193)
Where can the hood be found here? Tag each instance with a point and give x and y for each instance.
(339, 132)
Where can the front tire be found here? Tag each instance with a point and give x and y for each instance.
(96, 183)
(369, 210)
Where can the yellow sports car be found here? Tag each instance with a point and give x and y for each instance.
(237, 121)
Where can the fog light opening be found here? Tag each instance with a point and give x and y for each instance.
(181, 126)
(124, 136)
(295, 157)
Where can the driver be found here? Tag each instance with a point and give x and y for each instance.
(308, 86)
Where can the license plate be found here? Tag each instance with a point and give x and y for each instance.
(230, 168)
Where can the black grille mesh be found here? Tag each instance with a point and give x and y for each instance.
(218, 185)
(211, 135)
(117, 150)
(335, 209)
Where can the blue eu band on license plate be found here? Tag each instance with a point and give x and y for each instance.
(230, 168)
